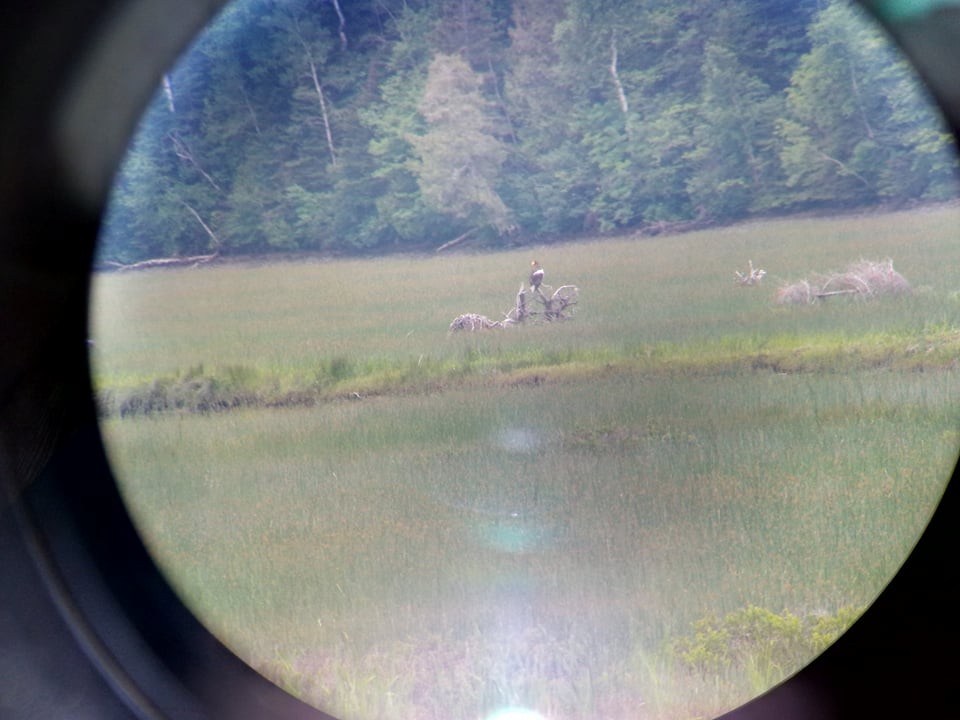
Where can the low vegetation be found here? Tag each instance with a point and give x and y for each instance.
(656, 509)
(201, 390)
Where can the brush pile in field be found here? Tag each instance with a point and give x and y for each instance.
(863, 279)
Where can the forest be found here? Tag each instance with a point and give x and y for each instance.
(372, 126)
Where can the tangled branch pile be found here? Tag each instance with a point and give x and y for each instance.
(473, 321)
(863, 279)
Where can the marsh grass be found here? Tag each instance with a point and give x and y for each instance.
(309, 331)
(447, 525)
(498, 515)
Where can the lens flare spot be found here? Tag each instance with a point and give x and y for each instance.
(516, 713)
(513, 534)
(518, 440)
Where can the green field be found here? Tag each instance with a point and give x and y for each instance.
(659, 508)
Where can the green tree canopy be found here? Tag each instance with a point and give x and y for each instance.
(392, 124)
(459, 157)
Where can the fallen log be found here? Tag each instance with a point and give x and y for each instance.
(457, 240)
(191, 261)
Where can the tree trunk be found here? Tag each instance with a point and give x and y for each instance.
(621, 95)
(183, 151)
(457, 240)
(323, 108)
(213, 236)
(343, 35)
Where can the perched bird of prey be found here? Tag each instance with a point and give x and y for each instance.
(536, 275)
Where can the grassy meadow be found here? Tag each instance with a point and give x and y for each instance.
(657, 509)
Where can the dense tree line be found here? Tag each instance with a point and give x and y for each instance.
(353, 126)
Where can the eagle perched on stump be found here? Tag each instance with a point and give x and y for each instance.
(536, 275)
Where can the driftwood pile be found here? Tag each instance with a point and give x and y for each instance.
(531, 303)
(753, 276)
(473, 321)
(863, 279)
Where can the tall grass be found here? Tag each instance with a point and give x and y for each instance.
(289, 318)
(556, 508)
(354, 528)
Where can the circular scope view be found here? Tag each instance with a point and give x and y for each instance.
(532, 359)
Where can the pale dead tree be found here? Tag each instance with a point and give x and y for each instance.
(621, 94)
(556, 304)
(317, 85)
(213, 236)
(753, 276)
(323, 109)
(183, 151)
(343, 23)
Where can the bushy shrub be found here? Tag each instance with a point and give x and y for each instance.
(758, 640)
(192, 390)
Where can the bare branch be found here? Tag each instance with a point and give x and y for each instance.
(844, 168)
(253, 114)
(213, 236)
(182, 151)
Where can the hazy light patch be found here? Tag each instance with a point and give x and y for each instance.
(515, 713)
(518, 440)
(514, 533)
